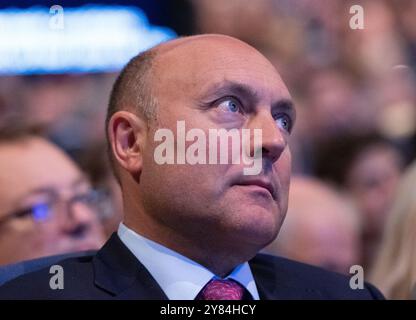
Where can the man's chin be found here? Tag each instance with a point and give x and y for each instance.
(257, 229)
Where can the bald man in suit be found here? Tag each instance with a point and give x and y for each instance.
(193, 229)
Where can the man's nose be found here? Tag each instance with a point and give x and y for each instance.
(273, 140)
(77, 220)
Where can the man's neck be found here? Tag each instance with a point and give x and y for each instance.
(220, 261)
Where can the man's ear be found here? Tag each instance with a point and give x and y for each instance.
(127, 134)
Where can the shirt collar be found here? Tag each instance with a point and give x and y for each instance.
(179, 277)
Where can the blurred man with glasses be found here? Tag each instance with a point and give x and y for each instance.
(47, 204)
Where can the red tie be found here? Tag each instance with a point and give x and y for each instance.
(221, 290)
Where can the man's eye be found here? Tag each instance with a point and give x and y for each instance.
(230, 105)
(23, 213)
(41, 211)
(284, 122)
(38, 212)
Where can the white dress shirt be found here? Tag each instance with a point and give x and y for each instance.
(179, 277)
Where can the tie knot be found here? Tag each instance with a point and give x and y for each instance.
(221, 290)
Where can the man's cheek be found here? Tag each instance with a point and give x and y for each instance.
(283, 169)
(283, 166)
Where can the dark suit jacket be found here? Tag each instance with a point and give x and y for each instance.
(115, 273)
(11, 271)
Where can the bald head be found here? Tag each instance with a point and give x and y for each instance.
(199, 47)
(133, 87)
(189, 62)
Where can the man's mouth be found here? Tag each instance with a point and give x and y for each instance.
(259, 183)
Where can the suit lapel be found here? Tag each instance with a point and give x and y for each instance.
(268, 284)
(118, 272)
(274, 283)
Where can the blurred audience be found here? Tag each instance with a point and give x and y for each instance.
(48, 206)
(321, 227)
(367, 168)
(395, 267)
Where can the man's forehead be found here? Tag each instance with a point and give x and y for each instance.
(37, 160)
(198, 62)
(207, 51)
(29, 166)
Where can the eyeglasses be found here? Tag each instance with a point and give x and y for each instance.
(96, 201)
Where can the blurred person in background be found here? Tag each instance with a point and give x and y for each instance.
(70, 110)
(321, 227)
(395, 267)
(395, 96)
(95, 163)
(47, 204)
(367, 168)
(334, 101)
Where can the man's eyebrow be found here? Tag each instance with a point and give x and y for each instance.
(286, 105)
(228, 87)
(245, 91)
(51, 191)
(41, 191)
(81, 180)
(248, 93)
